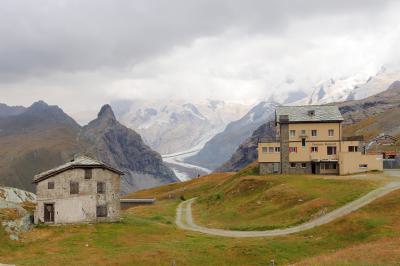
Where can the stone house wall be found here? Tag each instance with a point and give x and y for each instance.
(80, 207)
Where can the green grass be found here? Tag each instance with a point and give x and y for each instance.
(256, 202)
(147, 235)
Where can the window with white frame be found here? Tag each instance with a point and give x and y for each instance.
(292, 133)
(331, 132)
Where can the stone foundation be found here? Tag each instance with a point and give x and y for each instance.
(270, 168)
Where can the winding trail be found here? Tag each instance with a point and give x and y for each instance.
(184, 218)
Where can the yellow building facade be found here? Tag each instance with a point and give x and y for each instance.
(310, 140)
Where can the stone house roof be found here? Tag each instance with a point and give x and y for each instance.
(78, 162)
(310, 113)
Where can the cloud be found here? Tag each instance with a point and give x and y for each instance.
(75, 52)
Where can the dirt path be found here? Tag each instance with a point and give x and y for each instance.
(184, 218)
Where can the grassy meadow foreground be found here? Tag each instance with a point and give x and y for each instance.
(147, 235)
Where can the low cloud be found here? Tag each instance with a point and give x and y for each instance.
(80, 54)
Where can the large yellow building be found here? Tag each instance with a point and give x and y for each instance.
(310, 140)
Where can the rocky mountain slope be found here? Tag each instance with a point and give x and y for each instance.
(43, 137)
(247, 151)
(36, 140)
(220, 148)
(109, 141)
(176, 126)
(6, 110)
(374, 115)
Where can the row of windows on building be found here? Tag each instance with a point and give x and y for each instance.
(322, 165)
(330, 150)
(314, 132)
(74, 187)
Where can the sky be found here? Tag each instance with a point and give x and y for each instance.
(80, 54)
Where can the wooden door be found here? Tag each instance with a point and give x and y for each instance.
(49, 213)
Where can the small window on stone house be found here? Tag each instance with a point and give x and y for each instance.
(303, 165)
(50, 185)
(88, 173)
(264, 149)
(271, 149)
(101, 187)
(101, 211)
(292, 165)
(292, 133)
(74, 188)
(277, 149)
(331, 132)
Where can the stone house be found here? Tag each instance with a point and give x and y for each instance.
(310, 141)
(82, 190)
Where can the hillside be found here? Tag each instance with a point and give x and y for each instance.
(248, 201)
(221, 147)
(150, 231)
(43, 136)
(374, 115)
(247, 151)
(34, 141)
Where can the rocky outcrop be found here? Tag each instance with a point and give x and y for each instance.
(246, 153)
(107, 140)
(13, 216)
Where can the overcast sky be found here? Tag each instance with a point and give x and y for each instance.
(80, 54)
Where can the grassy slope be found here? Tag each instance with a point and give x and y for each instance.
(25, 154)
(253, 202)
(148, 236)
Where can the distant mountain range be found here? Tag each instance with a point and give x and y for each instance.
(41, 137)
(218, 153)
(176, 126)
(356, 87)
(220, 148)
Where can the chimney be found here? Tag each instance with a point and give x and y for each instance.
(284, 138)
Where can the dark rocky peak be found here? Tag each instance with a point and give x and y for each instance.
(105, 119)
(41, 107)
(50, 113)
(6, 110)
(106, 113)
